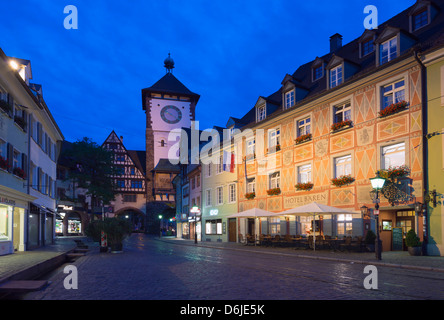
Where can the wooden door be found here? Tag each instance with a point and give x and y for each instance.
(232, 230)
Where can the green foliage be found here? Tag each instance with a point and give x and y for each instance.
(411, 239)
(91, 167)
(94, 230)
(370, 237)
(116, 229)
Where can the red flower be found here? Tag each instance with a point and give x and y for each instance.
(303, 138)
(342, 180)
(250, 195)
(304, 186)
(273, 192)
(393, 108)
(339, 125)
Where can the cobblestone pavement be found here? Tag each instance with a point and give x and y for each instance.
(163, 270)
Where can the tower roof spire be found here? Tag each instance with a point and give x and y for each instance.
(169, 64)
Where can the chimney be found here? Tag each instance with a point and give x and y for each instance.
(335, 42)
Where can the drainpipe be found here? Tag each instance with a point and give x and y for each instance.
(424, 103)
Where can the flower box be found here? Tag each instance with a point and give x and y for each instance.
(341, 125)
(250, 195)
(303, 138)
(393, 108)
(274, 149)
(342, 180)
(19, 172)
(304, 186)
(4, 163)
(274, 191)
(393, 173)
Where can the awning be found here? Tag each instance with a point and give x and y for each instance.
(252, 213)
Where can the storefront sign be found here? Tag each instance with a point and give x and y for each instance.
(296, 201)
(214, 212)
(66, 208)
(7, 201)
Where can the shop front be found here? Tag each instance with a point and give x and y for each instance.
(40, 230)
(69, 221)
(394, 223)
(13, 207)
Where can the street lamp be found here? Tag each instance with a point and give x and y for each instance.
(160, 225)
(377, 184)
(195, 209)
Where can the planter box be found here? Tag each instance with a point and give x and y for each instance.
(415, 251)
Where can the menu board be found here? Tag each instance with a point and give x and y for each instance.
(397, 239)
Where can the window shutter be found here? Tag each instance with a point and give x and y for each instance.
(10, 156)
(11, 103)
(24, 162)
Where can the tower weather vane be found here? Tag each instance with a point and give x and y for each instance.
(169, 64)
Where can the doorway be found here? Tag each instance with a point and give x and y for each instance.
(16, 231)
(232, 230)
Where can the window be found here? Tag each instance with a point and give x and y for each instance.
(289, 99)
(318, 73)
(342, 166)
(120, 158)
(274, 138)
(198, 181)
(251, 148)
(3, 150)
(275, 226)
(136, 184)
(208, 171)
(274, 180)
(345, 225)
(251, 185)
(393, 93)
(335, 76)
(219, 195)
(16, 163)
(303, 127)
(261, 113)
(121, 183)
(208, 198)
(393, 155)
(304, 173)
(120, 171)
(220, 165)
(388, 51)
(342, 112)
(5, 213)
(193, 183)
(213, 226)
(129, 198)
(420, 20)
(232, 193)
(367, 47)
(132, 171)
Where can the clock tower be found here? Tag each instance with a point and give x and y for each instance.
(168, 105)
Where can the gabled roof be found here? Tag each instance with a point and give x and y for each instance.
(171, 85)
(164, 165)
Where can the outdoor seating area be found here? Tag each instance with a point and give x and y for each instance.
(350, 244)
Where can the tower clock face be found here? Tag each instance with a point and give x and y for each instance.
(171, 114)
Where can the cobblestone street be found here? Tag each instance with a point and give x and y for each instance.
(160, 270)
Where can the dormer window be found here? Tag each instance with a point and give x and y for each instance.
(420, 19)
(261, 113)
(318, 73)
(388, 50)
(289, 99)
(367, 47)
(335, 76)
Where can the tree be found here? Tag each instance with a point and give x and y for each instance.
(91, 168)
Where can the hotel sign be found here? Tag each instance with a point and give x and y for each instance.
(297, 201)
(7, 201)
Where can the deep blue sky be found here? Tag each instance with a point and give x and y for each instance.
(229, 52)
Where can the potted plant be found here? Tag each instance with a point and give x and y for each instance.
(304, 186)
(250, 195)
(94, 230)
(274, 191)
(340, 125)
(342, 180)
(4, 163)
(303, 138)
(369, 240)
(116, 229)
(393, 108)
(413, 243)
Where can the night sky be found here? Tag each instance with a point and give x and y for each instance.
(229, 52)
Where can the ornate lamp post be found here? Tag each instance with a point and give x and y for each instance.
(196, 211)
(377, 184)
(160, 225)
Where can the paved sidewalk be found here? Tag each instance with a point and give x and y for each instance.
(398, 259)
(23, 262)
